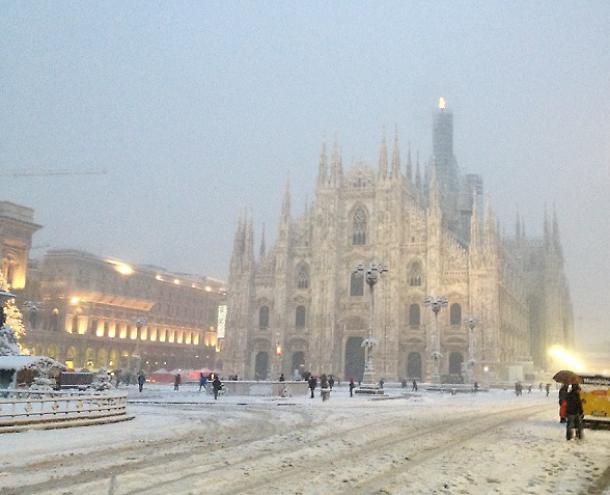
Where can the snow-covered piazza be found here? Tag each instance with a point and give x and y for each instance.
(403, 443)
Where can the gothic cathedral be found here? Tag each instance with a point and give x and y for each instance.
(302, 305)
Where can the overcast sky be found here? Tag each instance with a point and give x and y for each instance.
(198, 109)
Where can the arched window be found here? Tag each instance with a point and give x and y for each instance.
(302, 276)
(359, 227)
(455, 314)
(74, 324)
(415, 274)
(356, 286)
(414, 315)
(299, 317)
(263, 317)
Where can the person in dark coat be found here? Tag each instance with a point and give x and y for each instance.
(282, 377)
(574, 412)
(547, 388)
(563, 394)
(203, 381)
(414, 387)
(331, 381)
(217, 385)
(177, 381)
(141, 380)
(352, 386)
(324, 388)
(313, 383)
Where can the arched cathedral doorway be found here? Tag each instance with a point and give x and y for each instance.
(455, 363)
(261, 366)
(354, 359)
(414, 365)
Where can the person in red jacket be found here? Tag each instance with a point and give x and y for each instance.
(563, 393)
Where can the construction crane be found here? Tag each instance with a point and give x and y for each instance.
(47, 173)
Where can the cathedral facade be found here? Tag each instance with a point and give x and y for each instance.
(303, 305)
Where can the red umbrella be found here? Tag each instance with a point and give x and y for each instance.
(566, 376)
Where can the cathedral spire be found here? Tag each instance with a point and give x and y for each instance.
(286, 203)
(489, 225)
(556, 238)
(409, 164)
(263, 247)
(474, 224)
(383, 159)
(336, 168)
(323, 167)
(396, 156)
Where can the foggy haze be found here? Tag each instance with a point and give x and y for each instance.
(199, 110)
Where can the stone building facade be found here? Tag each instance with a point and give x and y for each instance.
(300, 306)
(90, 312)
(16, 229)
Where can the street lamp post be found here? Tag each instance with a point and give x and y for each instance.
(5, 296)
(471, 323)
(436, 303)
(372, 274)
(136, 357)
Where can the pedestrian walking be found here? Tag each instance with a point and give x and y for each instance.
(414, 387)
(547, 389)
(352, 386)
(331, 381)
(574, 413)
(324, 388)
(281, 379)
(476, 387)
(203, 381)
(141, 380)
(217, 385)
(117, 377)
(313, 383)
(381, 382)
(177, 381)
(529, 388)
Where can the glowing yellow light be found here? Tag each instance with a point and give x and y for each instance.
(566, 358)
(122, 268)
(208, 288)
(159, 278)
(278, 350)
(74, 300)
(176, 281)
(442, 104)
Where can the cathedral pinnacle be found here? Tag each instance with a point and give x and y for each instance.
(396, 156)
(323, 168)
(286, 202)
(474, 224)
(263, 246)
(418, 175)
(383, 159)
(409, 164)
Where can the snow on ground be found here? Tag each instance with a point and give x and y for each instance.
(186, 443)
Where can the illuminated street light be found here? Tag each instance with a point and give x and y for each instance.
(372, 274)
(471, 322)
